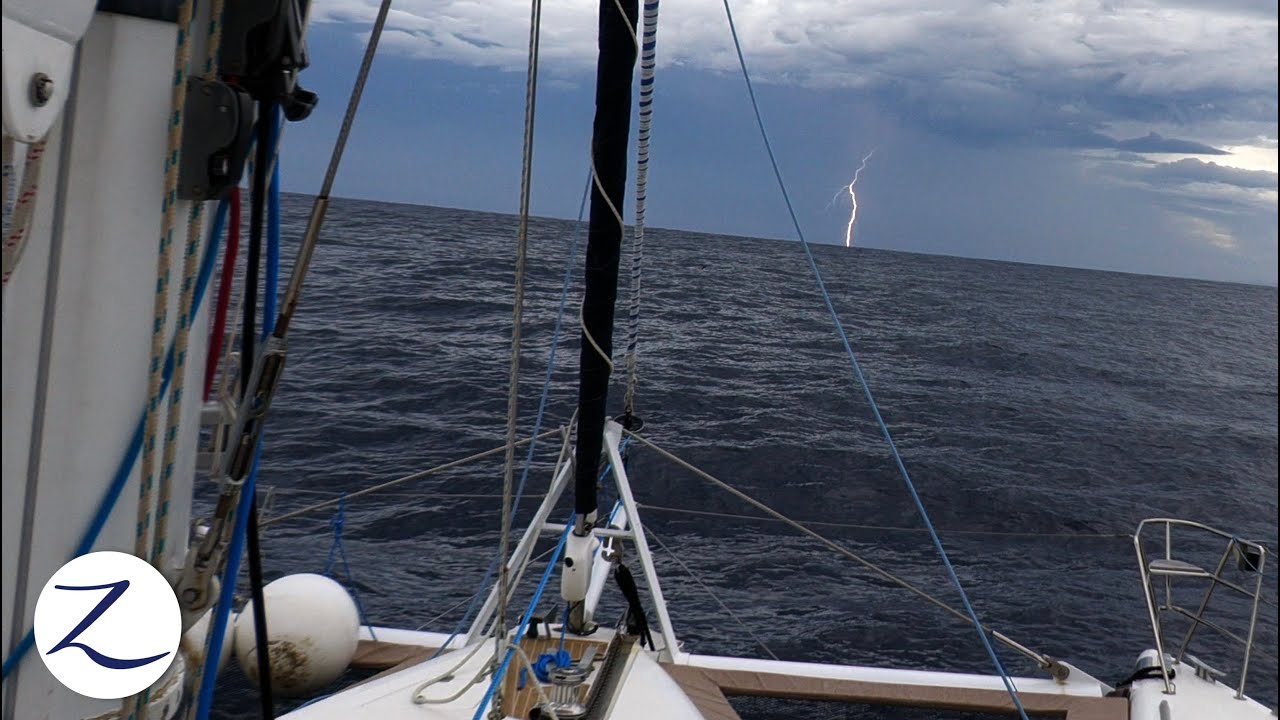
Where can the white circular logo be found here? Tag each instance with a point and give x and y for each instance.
(107, 625)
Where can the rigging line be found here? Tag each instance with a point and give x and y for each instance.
(899, 528)
(866, 387)
(267, 124)
(6, 185)
(488, 573)
(123, 471)
(186, 297)
(224, 295)
(1038, 658)
(524, 621)
(473, 596)
(542, 407)
(648, 531)
(517, 318)
(160, 305)
(582, 307)
(247, 527)
(22, 215)
(407, 478)
(206, 677)
(321, 203)
(334, 494)
(648, 54)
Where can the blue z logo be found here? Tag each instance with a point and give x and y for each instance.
(117, 589)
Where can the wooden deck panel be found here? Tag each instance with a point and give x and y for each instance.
(703, 691)
(740, 682)
(376, 655)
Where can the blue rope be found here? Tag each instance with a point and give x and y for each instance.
(542, 666)
(862, 380)
(533, 603)
(537, 424)
(524, 621)
(337, 549)
(109, 498)
(227, 591)
(222, 613)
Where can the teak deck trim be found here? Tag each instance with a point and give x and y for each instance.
(708, 689)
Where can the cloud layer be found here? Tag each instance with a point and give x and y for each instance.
(1057, 69)
(1101, 102)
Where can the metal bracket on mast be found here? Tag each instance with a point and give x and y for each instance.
(39, 39)
(194, 584)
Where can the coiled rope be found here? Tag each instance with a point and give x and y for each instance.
(648, 61)
(866, 388)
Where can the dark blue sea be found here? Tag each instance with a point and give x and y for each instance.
(1042, 413)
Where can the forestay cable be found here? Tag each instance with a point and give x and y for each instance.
(857, 371)
(648, 56)
(517, 319)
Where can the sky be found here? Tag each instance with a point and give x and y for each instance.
(1131, 136)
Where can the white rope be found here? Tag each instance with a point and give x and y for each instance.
(160, 314)
(190, 268)
(19, 229)
(448, 675)
(582, 323)
(144, 547)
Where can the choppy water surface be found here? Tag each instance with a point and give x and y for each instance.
(1042, 412)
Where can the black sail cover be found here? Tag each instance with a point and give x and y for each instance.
(609, 143)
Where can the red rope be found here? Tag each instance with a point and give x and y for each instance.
(224, 293)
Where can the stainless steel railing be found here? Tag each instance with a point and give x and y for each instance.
(1250, 558)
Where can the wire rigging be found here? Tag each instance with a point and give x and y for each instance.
(857, 370)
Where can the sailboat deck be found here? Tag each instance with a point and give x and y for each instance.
(520, 701)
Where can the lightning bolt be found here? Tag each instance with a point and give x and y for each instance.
(853, 199)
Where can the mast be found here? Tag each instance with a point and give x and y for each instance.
(610, 136)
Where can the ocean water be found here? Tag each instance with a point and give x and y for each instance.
(1042, 413)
